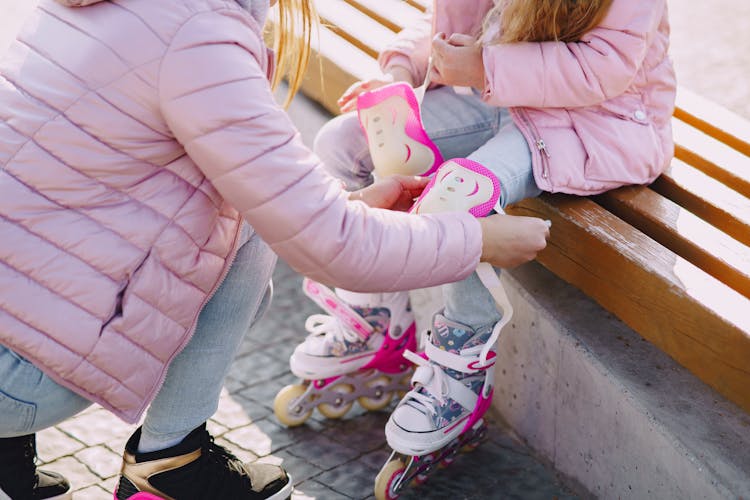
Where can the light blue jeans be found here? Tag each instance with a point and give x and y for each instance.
(461, 126)
(31, 401)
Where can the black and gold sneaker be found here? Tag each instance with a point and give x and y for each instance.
(19, 477)
(197, 469)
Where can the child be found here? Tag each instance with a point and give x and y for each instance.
(568, 96)
(135, 137)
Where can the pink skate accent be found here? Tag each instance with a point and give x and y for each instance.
(475, 365)
(456, 424)
(349, 360)
(483, 404)
(414, 127)
(141, 496)
(333, 305)
(483, 206)
(390, 356)
(319, 384)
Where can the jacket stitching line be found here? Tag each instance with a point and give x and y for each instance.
(60, 248)
(82, 358)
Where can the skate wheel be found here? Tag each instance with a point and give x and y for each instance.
(340, 407)
(386, 480)
(287, 413)
(382, 398)
(446, 462)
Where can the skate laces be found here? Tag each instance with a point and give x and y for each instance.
(331, 327)
(432, 378)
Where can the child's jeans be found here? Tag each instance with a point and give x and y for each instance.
(31, 401)
(461, 126)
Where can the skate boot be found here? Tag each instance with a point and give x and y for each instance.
(196, 469)
(19, 477)
(398, 143)
(352, 353)
(442, 414)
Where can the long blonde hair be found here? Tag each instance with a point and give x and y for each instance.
(292, 37)
(546, 20)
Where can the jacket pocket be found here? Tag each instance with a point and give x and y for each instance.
(621, 142)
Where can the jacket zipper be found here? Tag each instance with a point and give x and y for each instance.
(533, 137)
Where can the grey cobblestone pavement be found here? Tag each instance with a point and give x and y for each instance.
(338, 459)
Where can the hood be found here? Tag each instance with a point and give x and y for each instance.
(258, 8)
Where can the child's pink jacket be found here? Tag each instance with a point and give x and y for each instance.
(596, 114)
(134, 136)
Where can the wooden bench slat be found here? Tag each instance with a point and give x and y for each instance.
(422, 5)
(707, 198)
(696, 319)
(683, 233)
(393, 14)
(714, 120)
(713, 157)
(353, 25)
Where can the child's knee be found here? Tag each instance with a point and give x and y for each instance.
(340, 144)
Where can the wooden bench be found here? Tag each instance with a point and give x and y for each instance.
(671, 260)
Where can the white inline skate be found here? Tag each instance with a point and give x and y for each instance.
(355, 352)
(453, 382)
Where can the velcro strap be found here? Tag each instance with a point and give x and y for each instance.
(464, 363)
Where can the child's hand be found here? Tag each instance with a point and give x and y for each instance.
(396, 192)
(509, 241)
(457, 61)
(348, 101)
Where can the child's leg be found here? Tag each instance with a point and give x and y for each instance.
(507, 155)
(190, 394)
(457, 124)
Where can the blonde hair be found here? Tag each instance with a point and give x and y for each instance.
(292, 37)
(546, 20)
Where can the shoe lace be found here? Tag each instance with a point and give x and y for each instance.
(222, 470)
(331, 327)
(429, 385)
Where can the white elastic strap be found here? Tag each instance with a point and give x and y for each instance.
(458, 362)
(422, 89)
(491, 281)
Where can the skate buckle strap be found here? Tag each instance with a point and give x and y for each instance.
(467, 361)
(333, 305)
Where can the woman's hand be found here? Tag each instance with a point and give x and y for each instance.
(457, 61)
(396, 192)
(509, 241)
(348, 100)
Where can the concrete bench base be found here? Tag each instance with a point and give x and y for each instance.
(604, 406)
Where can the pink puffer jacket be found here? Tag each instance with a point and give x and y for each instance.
(596, 114)
(135, 134)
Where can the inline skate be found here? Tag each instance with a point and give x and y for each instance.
(352, 353)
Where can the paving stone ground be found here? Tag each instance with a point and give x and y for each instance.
(332, 460)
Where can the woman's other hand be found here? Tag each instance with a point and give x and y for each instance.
(509, 241)
(348, 100)
(457, 61)
(396, 192)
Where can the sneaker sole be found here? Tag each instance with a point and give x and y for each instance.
(283, 494)
(68, 495)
